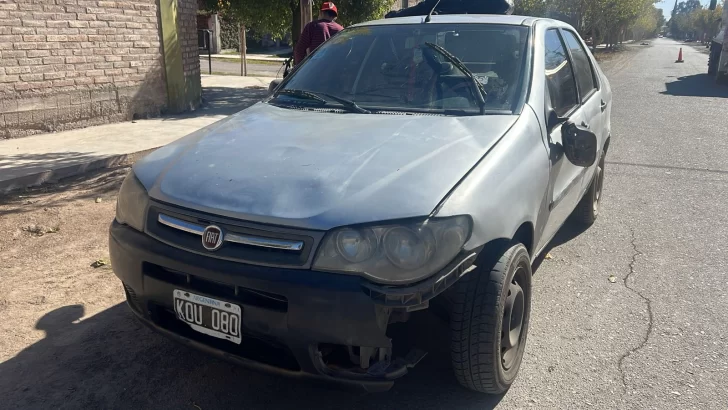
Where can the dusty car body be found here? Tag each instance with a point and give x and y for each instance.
(314, 221)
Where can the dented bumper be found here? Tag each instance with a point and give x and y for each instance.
(291, 320)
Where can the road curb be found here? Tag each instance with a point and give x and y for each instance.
(53, 175)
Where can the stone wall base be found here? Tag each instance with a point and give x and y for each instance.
(25, 116)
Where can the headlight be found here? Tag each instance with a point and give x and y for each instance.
(131, 207)
(394, 253)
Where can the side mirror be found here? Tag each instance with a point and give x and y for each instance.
(273, 85)
(554, 121)
(580, 145)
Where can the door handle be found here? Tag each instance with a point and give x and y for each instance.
(584, 124)
(604, 106)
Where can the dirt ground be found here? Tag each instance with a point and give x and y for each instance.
(49, 238)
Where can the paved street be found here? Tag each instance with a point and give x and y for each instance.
(257, 69)
(656, 338)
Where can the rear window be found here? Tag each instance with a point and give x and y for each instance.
(584, 72)
(391, 67)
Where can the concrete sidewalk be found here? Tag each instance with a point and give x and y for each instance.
(46, 158)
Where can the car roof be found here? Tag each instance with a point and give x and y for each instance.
(457, 18)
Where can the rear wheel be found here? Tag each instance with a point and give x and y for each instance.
(489, 321)
(587, 210)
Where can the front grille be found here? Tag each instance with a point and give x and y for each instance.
(244, 241)
(245, 296)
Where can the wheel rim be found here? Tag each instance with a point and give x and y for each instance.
(512, 327)
(598, 188)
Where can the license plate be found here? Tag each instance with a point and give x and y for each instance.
(210, 316)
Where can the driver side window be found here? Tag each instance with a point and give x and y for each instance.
(559, 75)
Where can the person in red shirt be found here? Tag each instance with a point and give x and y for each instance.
(317, 32)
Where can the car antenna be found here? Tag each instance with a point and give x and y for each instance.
(429, 15)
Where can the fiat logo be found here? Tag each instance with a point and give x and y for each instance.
(212, 238)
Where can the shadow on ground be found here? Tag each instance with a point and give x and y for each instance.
(111, 361)
(101, 183)
(698, 85)
(218, 101)
(568, 232)
(52, 167)
(226, 101)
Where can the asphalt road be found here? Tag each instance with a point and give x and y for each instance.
(654, 339)
(233, 68)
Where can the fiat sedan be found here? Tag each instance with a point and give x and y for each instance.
(407, 165)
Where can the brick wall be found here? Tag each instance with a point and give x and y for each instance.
(187, 23)
(73, 63)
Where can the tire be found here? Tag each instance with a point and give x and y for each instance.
(587, 211)
(480, 302)
(714, 58)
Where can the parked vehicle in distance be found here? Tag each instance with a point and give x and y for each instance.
(405, 165)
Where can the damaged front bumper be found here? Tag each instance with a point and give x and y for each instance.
(296, 323)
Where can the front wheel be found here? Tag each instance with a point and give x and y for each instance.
(489, 321)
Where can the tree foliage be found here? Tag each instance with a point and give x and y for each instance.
(648, 24)
(691, 19)
(530, 8)
(358, 11)
(261, 17)
(280, 17)
(687, 7)
(603, 20)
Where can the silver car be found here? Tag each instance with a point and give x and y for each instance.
(405, 165)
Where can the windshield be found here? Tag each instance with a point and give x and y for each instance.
(396, 67)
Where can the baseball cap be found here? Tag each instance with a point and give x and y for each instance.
(329, 6)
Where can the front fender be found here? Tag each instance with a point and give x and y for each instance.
(507, 188)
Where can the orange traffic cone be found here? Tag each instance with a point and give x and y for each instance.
(680, 57)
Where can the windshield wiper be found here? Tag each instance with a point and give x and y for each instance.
(314, 95)
(350, 105)
(301, 93)
(482, 95)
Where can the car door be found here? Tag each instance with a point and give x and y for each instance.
(562, 94)
(590, 94)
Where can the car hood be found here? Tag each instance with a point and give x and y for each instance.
(319, 170)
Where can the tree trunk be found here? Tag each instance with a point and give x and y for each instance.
(296, 22)
(243, 52)
(306, 16)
